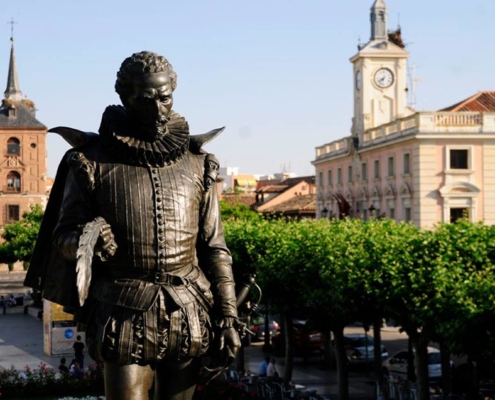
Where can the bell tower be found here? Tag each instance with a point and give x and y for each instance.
(380, 75)
(22, 151)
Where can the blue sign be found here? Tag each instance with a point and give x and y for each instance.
(69, 333)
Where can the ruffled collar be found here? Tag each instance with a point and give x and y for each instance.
(117, 133)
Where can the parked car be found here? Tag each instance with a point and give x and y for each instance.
(306, 339)
(396, 366)
(258, 327)
(360, 350)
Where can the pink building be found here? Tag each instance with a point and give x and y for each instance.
(423, 167)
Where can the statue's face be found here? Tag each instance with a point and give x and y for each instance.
(151, 102)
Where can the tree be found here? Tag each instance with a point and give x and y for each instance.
(237, 212)
(20, 237)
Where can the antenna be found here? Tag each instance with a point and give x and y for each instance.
(412, 84)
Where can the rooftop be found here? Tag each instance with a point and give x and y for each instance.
(481, 101)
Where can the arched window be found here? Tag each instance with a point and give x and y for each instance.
(13, 146)
(13, 182)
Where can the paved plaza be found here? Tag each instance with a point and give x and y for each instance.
(21, 344)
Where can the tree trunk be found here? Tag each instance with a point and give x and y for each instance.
(446, 370)
(289, 347)
(377, 348)
(342, 363)
(472, 389)
(420, 344)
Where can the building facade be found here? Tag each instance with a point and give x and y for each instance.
(23, 180)
(424, 167)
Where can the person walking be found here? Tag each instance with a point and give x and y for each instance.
(271, 370)
(79, 347)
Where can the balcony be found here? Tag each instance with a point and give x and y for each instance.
(424, 123)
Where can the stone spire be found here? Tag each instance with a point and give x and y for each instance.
(378, 18)
(13, 92)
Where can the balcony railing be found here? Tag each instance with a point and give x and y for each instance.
(10, 189)
(421, 122)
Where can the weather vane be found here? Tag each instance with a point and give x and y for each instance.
(12, 22)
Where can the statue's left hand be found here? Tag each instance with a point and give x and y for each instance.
(229, 342)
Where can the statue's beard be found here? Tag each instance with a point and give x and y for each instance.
(151, 130)
(155, 130)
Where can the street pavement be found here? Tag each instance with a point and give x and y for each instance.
(21, 344)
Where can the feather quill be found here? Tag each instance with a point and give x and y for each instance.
(84, 255)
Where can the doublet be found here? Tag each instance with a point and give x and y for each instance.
(154, 298)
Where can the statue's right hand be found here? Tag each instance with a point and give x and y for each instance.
(106, 245)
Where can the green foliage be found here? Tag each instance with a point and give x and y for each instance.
(438, 282)
(20, 237)
(44, 381)
(237, 212)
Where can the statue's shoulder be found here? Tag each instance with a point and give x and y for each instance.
(197, 142)
(76, 138)
(211, 163)
(80, 158)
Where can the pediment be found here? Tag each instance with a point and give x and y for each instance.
(12, 161)
(389, 191)
(363, 193)
(375, 192)
(459, 188)
(405, 190)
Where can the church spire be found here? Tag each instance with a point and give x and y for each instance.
(13, 92)
(378, 18)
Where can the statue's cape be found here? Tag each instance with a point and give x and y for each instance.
(48, 271)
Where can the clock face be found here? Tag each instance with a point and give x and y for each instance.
(384, 78)
(358, 80)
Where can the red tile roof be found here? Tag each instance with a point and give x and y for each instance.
(273, 189)
(304, 204)
(235, 199)
(481, 101)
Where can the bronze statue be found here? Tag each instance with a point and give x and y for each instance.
(138, 252)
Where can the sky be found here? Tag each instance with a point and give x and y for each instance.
(276, 73)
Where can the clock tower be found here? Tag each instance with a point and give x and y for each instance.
(380, 75)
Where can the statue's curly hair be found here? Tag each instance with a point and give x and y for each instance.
(144, 62)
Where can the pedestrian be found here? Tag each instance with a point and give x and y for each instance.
(271, 370)
(75, 370)
(78, 347)
(62, 368)
(12, 301)
(263, 367)
(3, 303)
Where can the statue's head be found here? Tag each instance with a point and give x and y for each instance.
(145, 83)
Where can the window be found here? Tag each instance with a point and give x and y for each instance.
(407, 167)
(320, 178)
(391, 166)
(376, 168)
(13, 182)
(407, 214)
(349, 174)
(391, 213)
(12, 213)
(330, 179)
(13, 146)
(339, 176)
(458, 159)
(458, 213)
(364, 172)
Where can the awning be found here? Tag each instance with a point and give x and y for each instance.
(250, 183)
